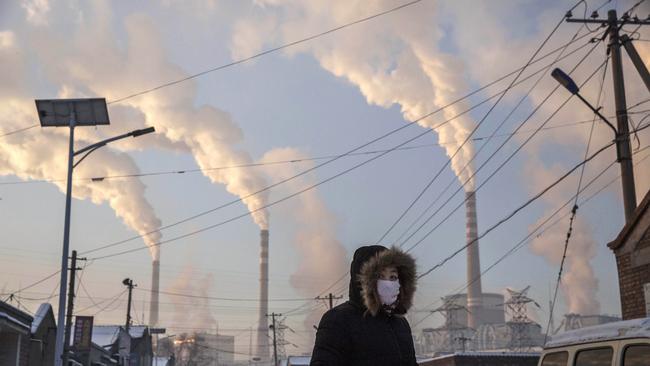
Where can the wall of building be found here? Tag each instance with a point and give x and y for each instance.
(631, 279)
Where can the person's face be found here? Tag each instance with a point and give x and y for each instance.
(389, 274)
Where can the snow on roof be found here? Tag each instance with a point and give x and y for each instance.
(299, 360)
(105, 335)
(41, 313)
(13, 320)
(637, 328)
(489, 354)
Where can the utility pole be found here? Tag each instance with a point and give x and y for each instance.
(129, 283)
(331, 299)
(623, 149)
(71, 296)
(275, 344)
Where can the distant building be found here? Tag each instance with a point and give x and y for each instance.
(111, 344)
(632, 250)
(15, 335)
(577, 321)
(43, 337)
(204, 349)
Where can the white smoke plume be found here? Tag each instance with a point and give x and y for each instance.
(194, 313)
(84, 58)
(392, 61)
(322, 258)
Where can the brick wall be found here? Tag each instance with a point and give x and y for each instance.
(631, 280)
(24, 350)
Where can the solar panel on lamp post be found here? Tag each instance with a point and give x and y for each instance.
(72, 113)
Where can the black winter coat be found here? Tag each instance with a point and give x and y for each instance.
(359, 332)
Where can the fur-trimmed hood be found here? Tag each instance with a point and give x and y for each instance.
(376, 259)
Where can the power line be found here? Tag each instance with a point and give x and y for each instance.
(518, 209)
(451, 158)
(384, 152)
(17, 131)
(574, 210)
(505, 162)
(266, 52)
(220, 298)
(532, 234)
(288, 161)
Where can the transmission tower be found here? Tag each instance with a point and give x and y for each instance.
(520, 324)
(453, 333)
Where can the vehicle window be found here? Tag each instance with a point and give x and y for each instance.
(556, 359)
(637, 355)
(595, 357)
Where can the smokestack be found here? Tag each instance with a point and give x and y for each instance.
(263, 328)
(155, 288)
(474, 290)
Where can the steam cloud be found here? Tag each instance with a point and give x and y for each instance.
(197, 313)
(96, 64)
(322, 257)
(394, 61)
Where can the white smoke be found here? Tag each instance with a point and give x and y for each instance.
(393, 61)
(85, 58)
(195, 313)
(322, 258)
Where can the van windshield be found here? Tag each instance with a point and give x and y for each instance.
(595, 357)
(556, 359)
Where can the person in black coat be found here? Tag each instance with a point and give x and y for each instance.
(370, 328)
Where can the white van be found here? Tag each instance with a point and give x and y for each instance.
(624, 343)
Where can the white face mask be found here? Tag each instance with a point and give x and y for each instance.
(388, 291)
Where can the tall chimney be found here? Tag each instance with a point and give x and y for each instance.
(263, 323)
(474, 290)
(155, 288)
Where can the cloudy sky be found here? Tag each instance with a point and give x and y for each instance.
(223, 134)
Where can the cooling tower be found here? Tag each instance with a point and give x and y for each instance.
(474, 290)
(155, 288)
(263, 329)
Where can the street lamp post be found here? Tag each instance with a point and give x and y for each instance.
(72, 113)
(622, 140)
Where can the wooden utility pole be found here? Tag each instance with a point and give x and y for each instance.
(71, 296)
(275, 344)
(129, 283)
(331, 299)
(623, 150)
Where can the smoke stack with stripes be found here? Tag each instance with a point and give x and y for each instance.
(155, 288)
(263, 328)
(474, 288)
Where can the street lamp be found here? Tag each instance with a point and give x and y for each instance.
(622, 140)
(71, 113)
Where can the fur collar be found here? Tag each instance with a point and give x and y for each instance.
(369, 275)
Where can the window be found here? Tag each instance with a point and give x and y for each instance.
(636, 355)
(595, 357)
(556, 359)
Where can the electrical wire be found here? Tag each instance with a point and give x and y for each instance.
(18, 131)
(469, 163)
(266, 52)
(427, 131)
(408, 124)
(517, 210)
(469, 136)
(219, 298)
(574, 210)
(535, 233)
(505, 162)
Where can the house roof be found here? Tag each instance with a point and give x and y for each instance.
(40, 315)
(636, 328)
(634, 220)
(106, 335)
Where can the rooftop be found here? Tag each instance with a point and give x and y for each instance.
(637, 328)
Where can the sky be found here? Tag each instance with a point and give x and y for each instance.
(233, 131)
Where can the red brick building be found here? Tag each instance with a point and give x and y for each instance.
(632, 250)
